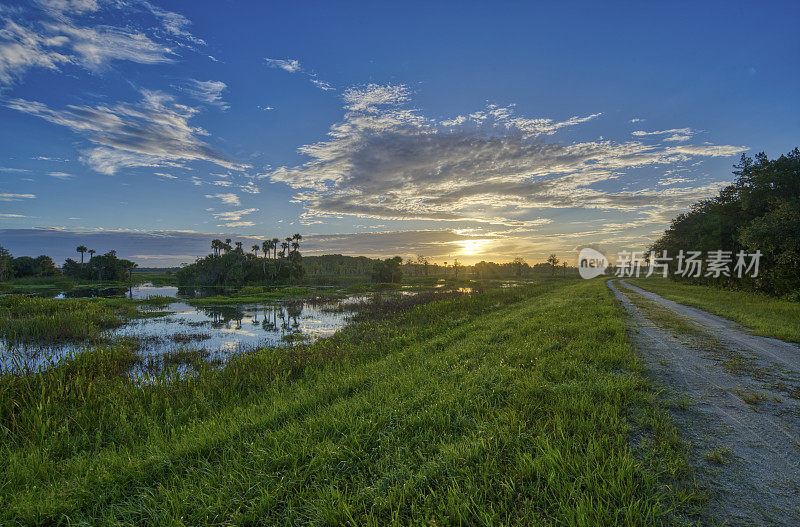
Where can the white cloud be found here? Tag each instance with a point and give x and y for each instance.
(94, 48)
(369, 97)
(6, 196)
(174, 24)
(60, 175)
(289, 65)
(675, 135)
(152, 133)
(4, 215)
(208, 92)
(234, 218)
(322, 85)
(493, 167)
(22, 49)
(228, 199)
(48, 35)
(293, 66)
(673, 181)
(250, 187)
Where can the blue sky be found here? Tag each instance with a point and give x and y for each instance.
(452, 130)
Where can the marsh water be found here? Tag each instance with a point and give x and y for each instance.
(215, 333)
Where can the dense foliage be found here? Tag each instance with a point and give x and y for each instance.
(760, 211)
(388, 270)
(103, 267)
(334, 265)
(229, 266)
(25, 266)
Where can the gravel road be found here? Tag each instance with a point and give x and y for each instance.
(741, 410)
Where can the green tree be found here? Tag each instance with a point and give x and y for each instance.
(760, 211)
(81, 249)
(388, 270)
(6, 264)
(266, 247)
(553, 261)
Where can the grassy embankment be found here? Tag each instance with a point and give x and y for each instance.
(763, 314)
(517, 406)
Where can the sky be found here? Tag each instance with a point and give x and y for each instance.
(477, 131)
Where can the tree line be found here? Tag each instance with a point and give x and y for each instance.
(102, 267)
(25, 266)
(760, 211)
(274, 262)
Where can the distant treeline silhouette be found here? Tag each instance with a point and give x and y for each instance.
(274, 262)
(102, 267)
(760, 211)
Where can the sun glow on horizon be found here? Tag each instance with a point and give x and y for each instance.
(473, 247)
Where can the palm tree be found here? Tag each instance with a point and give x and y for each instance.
(238, 246)
(553, 260)
(296, 242)
(91, 252)
(275, 242)
(216, 246)
(284, 246)
(288, 241)
(81, 249)
(255, 249)
(266, 245)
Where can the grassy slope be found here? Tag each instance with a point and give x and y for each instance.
(765, 315)
(511, 407)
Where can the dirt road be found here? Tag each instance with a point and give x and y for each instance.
(740, 413)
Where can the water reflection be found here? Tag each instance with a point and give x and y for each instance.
(236, 327)
(212, 332)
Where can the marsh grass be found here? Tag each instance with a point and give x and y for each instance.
(262, 294)
(33, 319)
(509, 407)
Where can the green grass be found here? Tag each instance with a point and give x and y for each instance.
(25, 318)
(522, 406)
(719, 456)
(764, 315)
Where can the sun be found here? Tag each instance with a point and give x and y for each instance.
(473, 247)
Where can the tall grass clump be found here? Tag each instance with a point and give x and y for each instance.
(27, 318)
(33, 319)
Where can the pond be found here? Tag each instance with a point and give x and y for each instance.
(213, 333)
